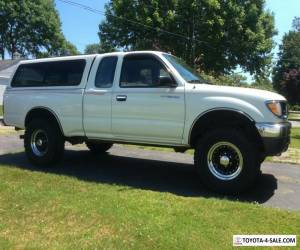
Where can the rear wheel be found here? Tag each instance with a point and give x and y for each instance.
(98, 148)
(227, 162)
(44, 143)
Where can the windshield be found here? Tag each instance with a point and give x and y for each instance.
(184, 70)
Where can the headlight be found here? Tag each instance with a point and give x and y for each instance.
(275, 107)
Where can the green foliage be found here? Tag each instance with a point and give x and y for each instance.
(227, 33)
(65, 48)
(295, 138)
(290, 85)
(284, 74)
(68, 49)
(296, 23)
(98, 48)
(236, 80)
(262, 83)
(294, 107)
(31, 28)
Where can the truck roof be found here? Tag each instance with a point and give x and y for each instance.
(51, 59)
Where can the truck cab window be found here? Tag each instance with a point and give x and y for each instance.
(106, 72)
(142, 72)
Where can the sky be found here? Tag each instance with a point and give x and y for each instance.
(81, 26)
(284, 12)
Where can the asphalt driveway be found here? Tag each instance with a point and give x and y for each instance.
(279, 186)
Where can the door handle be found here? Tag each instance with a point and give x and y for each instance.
(121, 98)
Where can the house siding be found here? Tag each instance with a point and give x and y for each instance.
(7, 68)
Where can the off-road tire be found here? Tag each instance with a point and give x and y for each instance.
(54, 147)
(204, 160)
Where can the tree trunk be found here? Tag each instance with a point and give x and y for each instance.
(2, 52)
(12, 43)
(13, 51)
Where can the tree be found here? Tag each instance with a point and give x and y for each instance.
(288, 64)
(262, 83)
(68, 49)
(291, 83)
(30, 28)
(234, 79)
(62, 48)
(214, 35)
(98, 48)
(296, 23)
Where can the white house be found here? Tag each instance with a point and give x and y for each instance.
(7, 67)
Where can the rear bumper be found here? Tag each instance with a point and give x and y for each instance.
(275, 137)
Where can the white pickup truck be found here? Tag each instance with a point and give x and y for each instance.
(149, 98)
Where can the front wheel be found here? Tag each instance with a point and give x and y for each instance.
(43, 142)
(227, 162)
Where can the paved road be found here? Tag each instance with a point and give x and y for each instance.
(279, 186)
(295, 124)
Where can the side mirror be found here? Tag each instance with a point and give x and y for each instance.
(167, 81)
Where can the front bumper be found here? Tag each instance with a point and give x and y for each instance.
(275, 137)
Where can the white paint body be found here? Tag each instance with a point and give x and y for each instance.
(161, 116)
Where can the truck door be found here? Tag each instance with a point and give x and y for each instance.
(145, 107)
(98, 96)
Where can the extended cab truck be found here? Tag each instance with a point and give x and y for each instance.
(149, 98)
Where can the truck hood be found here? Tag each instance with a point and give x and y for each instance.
(248, 100)
(238, 92)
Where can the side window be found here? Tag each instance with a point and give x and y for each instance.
(29, 75)
(142, 72)
(46, 74)
(106, 72)
(64, 73)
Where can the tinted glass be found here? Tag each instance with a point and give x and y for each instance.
(142, 72)
(29, 75)
(106, 72)
(60, 73)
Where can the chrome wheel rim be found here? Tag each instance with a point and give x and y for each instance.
(39, 142)
(225, 161)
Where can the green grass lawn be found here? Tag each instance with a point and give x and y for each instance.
(295, 138)
(293, 153)
(1, 110)
(45, 210)
(294, 116)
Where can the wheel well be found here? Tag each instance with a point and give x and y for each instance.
(44, 114)
(225, 118)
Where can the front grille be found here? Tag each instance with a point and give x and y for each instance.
(284, 108)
